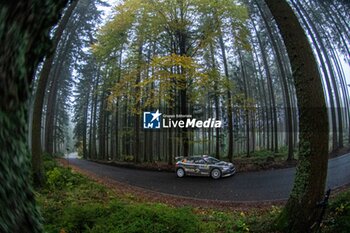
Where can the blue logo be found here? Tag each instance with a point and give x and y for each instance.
(151, 120)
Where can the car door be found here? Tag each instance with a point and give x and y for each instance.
(202, 166)
(189, 166)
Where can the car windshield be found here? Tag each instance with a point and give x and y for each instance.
(211, 160)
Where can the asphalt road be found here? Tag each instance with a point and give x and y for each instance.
(242, 187)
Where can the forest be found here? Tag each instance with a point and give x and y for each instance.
(78, 76)
(209, 59)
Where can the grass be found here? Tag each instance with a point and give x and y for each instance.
(73, 203)
(70, 202)
(338, 214)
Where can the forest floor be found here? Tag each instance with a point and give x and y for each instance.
(75, 201)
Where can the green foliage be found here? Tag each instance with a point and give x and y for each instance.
(75, 204)
(58, 177)
(118, 217)
(138, 23)
(49, 163)
(262, 153)
(264, 222)
(72, 203)
(192, 79)
(265, 156)
(128, 158)
(338, 217)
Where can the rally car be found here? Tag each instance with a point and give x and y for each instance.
(203, 166)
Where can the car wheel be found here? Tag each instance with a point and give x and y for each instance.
(215, 173)
(180, 172)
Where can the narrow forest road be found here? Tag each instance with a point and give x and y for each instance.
(269, 185)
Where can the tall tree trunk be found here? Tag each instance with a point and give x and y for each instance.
(106, 132)
(262, 13)
(346, 96)
(57, 66)
(102, 128)
(94, 119)
(116, 132)
(283, 77)
(89, 156)
(229, 100)
(138, 107)
(301, 210)
(51, 106)
(24, 35)
(262, 98)
(245, 109)
(55, 79)
(327, 78)
(183, 94)
(337, 25)
(217, 105)
(272, 112)
(85, 123)
(335, 90)
(39, 99)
